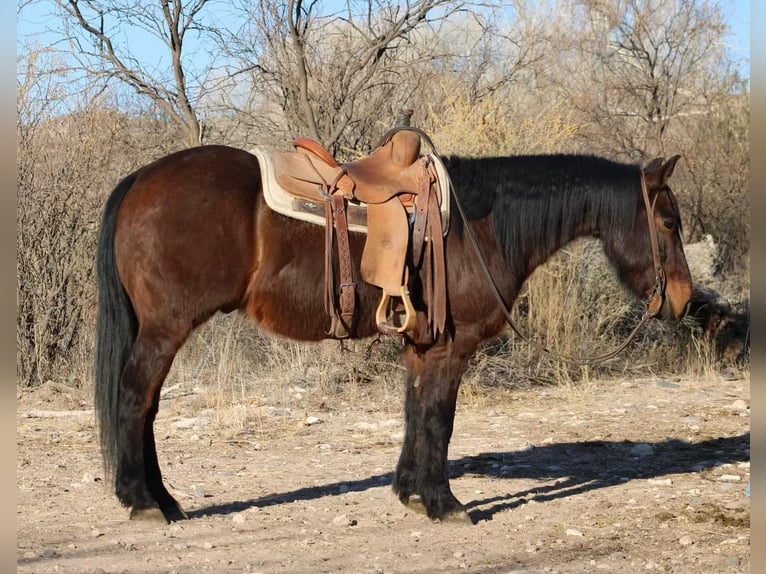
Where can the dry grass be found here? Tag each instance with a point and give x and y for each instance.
(460, 126)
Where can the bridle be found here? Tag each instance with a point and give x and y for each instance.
(654, 302)
(658, 293)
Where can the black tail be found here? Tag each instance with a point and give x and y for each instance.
(115, 332)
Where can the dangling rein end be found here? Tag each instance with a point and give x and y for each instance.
(385, 321)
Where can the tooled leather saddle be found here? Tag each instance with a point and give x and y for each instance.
(394, 194)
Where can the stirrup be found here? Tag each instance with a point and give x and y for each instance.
(385, 324)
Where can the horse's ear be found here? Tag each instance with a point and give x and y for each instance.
(658, 171)
(670, 165)
(654, 164)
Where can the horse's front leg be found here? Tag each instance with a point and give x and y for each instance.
(421, 480)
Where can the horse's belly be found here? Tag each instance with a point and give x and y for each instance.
(287, 287)
(290, 308)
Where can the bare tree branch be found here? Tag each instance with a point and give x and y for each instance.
(106, 60)
(643, 54)
(321, 68)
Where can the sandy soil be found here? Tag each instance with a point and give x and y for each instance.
(643, 475)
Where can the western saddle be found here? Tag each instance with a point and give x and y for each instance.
(405, 233)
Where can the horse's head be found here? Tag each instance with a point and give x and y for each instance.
(659, 271)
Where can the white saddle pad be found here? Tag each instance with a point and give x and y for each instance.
(285, 204)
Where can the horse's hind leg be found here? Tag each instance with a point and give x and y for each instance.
(170, 508)
(138, 480)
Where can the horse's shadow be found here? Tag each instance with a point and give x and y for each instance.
(564, 470)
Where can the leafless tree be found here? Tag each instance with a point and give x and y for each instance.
(321, 69)
(636, 67)
(97, 30)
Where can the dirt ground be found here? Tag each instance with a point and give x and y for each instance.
(643, 475)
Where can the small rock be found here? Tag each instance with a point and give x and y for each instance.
(685, 540)
(343, 488)
(617, 556)
(729, 478)
(197, 491)
(190, 423)
(731, 561)
(668, 385)
(30, 554)
(642, 449)
(96, 533)
(661, 481)
(573, 532)
(739, 405)
(208, 545)
(89, 477)
(180, 546)
(362, 425)
(341, 520)
(239, 518)
(49, 553)
(312, 420)
(692, 420)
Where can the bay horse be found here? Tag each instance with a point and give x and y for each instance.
(190, 235)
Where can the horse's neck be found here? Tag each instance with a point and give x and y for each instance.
(558, 238)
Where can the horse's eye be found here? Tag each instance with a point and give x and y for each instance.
(669, 224)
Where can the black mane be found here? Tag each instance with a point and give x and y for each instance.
(539, 203)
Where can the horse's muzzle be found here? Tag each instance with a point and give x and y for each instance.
(666, 311)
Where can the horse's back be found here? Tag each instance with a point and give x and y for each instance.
(184, 238)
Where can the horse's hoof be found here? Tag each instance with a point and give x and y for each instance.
(414, 503)
(175, 513)
(456, 517)
(153, 514)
